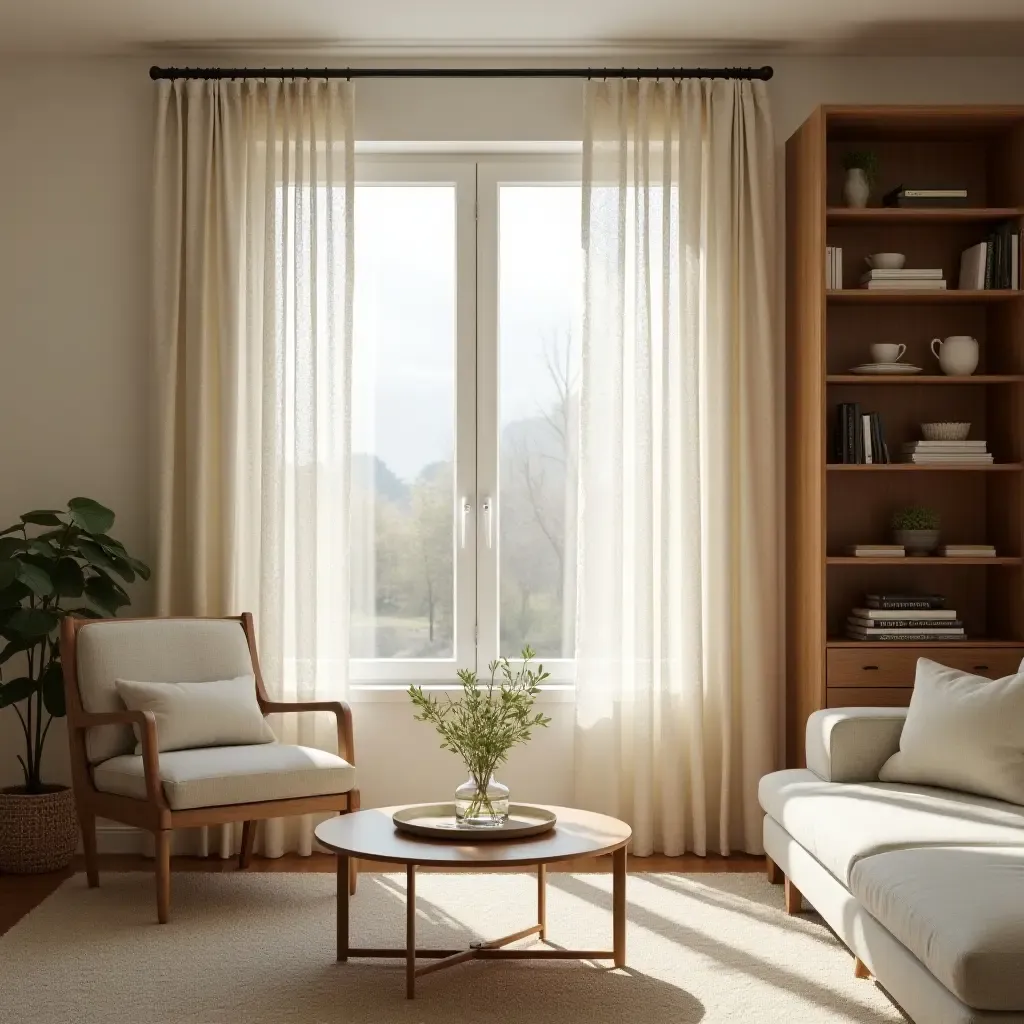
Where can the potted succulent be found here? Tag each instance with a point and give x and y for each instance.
(53, 562)
(861, 166)
(482, 726)
(917, 529)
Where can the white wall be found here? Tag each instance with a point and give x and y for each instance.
(75, 154)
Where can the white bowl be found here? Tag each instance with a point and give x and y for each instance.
(945, 431)
(886, 260)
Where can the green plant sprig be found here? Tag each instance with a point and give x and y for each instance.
(863, 159)
(915, 517)
(74, 558)
(487, 719)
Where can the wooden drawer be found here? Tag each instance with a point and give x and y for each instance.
(878, 666)
(868, 696)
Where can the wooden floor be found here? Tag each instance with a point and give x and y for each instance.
(20, 894)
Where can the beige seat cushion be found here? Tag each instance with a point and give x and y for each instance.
(159, 650)
(960, 911)
(220, 713)
(840, 823)
(213, 776)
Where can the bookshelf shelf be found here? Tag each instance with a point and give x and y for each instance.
(872, 645)
(832, 506)
(913, 467)
(951, 296)
(921, 215)
(919, 379)
(938, 562)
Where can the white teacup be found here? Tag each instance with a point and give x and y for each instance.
(887, 353)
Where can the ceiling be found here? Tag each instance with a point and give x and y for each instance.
(477, 27)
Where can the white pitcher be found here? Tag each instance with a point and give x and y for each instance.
(957, 355)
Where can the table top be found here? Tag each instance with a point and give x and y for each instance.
(371, 835)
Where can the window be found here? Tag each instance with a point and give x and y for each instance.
(468, 311)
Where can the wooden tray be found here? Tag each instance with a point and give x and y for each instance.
(437, 821)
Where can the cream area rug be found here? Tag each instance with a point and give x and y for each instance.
(259, 949)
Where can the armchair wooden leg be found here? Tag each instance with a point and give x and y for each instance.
(775, 875)
(163, 875)
(794, 901)
(87, 822)
(248, 838)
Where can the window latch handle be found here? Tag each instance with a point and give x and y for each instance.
(487, 509)
(466, 509)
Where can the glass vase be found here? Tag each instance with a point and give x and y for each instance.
(478, 806)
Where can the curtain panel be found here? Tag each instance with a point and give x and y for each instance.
(253, 282)
(678, 619)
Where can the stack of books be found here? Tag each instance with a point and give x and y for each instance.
(969, 551)
(904, 618)
(904, 280)
(949, 453)
(927, 197)
(833, 267)
(859, 437)
(876, 550)
(994, 263)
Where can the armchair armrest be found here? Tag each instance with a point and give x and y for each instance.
(341, 711)
(145, 723)
(852, 744)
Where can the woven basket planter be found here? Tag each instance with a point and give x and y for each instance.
(38, 831)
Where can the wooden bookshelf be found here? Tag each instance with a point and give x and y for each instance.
(829, 331)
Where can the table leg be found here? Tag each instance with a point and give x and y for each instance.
(619, 906)
(542, 901)
(343, 894)
(410, 931)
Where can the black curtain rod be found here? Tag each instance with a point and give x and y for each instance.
(755, 74)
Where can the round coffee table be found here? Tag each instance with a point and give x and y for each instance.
(371, 835)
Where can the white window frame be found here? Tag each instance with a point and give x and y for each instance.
(477, 178)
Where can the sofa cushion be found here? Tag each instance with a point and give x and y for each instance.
(959, 910)
(213, 776)
(161, 650)
(839, 823)
(981, 719)
(219, 713)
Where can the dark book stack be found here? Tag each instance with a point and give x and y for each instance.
(903, 618)
(858, 438)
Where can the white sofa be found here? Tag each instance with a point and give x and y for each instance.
(926, 886)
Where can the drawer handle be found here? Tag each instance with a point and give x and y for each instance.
(981, 668)
(870, 668)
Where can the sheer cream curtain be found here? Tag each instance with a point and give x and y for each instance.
(678, 622)
(253, 324)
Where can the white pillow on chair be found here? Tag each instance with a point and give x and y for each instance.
(224, 713)
(963, 732)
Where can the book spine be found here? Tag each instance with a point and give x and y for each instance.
(912, 638)
(989, 260)
(910, 604)
(918, 625)
(865, 429)
(858, 436)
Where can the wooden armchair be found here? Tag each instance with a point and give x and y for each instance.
(185, 788)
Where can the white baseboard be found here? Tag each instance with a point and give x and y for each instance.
(114, 838)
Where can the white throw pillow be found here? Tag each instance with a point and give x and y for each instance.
(963, 732)
(224, 713)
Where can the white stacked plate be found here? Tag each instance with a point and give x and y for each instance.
(886, 368)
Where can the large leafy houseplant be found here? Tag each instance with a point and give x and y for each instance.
(53, 562)
(486, 721)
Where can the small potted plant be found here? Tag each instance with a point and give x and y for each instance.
(917, 529)
(482, 726)
(861, 166)
(66, 565)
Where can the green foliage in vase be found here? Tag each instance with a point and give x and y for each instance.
(916, 517)
(487, 719)
(66, 565)
(864, 159)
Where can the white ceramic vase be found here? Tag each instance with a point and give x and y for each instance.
(856, 190)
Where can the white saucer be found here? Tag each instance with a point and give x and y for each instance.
(882, 368)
